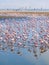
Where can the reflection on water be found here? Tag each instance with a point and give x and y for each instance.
(22, 35)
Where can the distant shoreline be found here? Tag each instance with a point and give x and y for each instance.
(11, 13)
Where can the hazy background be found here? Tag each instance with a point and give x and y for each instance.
(14, 4)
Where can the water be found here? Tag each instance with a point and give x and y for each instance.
(24, 41)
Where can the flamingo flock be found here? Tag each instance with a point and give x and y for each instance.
(30, 34)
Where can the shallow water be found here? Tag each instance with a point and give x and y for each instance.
(26, 51)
